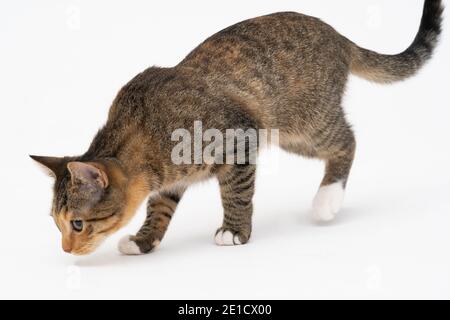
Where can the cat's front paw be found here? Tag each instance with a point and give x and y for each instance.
(228, 237)
(128, 246)
(133, 245)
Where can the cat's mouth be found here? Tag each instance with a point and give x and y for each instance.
(89, 247)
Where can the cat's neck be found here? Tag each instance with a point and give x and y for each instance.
(104, 145)
(126, 148)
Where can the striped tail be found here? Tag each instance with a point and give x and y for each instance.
(383, 68)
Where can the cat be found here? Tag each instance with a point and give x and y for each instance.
(285, 70)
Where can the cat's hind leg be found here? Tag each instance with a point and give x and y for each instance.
(237, 187)
(337, 148)
(160, 209)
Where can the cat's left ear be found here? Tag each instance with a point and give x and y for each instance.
(88, 174)
(51, 165)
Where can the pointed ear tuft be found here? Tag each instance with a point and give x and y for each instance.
(51, 165)
(87, 173)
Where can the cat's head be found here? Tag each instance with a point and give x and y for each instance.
(91, 200)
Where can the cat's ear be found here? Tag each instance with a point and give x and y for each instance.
(51, 165)
(88, 174)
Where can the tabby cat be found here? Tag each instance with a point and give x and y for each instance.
(284, 71)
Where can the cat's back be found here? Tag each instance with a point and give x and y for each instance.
(262, 41)
(255, 63)
(163, 99)
(268, 62)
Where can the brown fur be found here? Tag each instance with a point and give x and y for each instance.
(286, 71)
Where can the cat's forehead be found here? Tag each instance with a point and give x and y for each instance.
(60, 194)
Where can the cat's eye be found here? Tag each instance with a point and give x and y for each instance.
(77, 225)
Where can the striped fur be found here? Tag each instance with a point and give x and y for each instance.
(390, 68)
(284, 71)
(160, 210)
(237, 186)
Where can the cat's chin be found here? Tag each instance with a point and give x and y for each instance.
(87, 250)
(83, 252)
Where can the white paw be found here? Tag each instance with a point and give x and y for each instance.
(226, 238)
(128, 247)
(328, 202)
(156, 243)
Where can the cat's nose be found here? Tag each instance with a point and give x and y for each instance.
(67, 246)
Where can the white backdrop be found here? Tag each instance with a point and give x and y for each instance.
(61, 64)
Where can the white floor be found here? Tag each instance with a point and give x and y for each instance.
(392, 239)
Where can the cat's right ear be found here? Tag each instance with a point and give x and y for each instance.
(51, 165)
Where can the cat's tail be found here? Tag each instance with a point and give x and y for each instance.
(383, 68)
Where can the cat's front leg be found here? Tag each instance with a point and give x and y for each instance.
(237, 187)
(160, 210)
